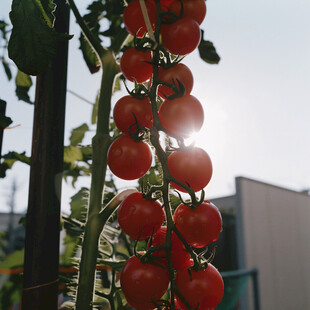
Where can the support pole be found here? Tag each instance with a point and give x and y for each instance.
(40, 285)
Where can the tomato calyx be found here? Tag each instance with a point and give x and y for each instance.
(193, 203)
(179, 90)
(170, 17)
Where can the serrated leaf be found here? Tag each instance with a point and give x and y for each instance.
(33, 43)
(77, 134)
(23, 83)
(79, 203)
(15, 259)
(89, 55)
(208, 52)
(6, 68)
(72, 154)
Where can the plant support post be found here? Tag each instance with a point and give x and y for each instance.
(40, 284)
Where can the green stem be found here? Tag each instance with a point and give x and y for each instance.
(94, 225)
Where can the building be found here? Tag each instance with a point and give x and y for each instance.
(268, 228)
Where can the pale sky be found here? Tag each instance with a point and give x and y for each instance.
(256, 100)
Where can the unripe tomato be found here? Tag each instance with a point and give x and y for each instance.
(129, 109)
(133, 17)
(139, 217)
(181, 37)
(128, 159)
(182, 116)
(203, 288)
(191, 166)
(170, 75)
(136, 65)
(143, 283)
(199, 226)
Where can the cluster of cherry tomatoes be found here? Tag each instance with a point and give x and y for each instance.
(180, 114)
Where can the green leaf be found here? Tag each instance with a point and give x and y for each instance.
(6, 68)
(3, 30)
(79, 203)
(72, 154)
(207, 51)
(9, 160)
(33, 43)
(23, 83)
(89, 55)
(78, 134)
(5, 122)
(16, 259)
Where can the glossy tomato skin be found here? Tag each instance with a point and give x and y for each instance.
(143, 283)
(204, 287)
(133, 17)
(181, 259)
(170, 75)
(128, 159)
(136, 306)
(199, 226)
(182, 116)
(139, 217)
(127, 108)
(181, 37)
(191, 166)
(136, 65)
(195, 9)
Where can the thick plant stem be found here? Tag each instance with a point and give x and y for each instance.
(94, 224)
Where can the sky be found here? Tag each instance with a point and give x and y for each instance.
(256, 101)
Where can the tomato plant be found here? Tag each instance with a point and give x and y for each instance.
(143, 282)
(136, 64)
(128, 159)
(133, 17)
(192, 166)
(129, 110)
(182, 116)
(203, 289)
(173, 74)
(199, 226)
(140, 218)
(181, 37)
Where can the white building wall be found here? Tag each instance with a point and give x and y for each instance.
(275, 226)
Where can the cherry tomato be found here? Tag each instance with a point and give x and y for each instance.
(182, 116)
(191, 166)
(128, 109)
(139, 217)
(180, 258)
(204, 287)
(195, 9)
(133, 17)
(171, 75)
(136, 64)
(143, 283)
(181, 37)
(145, 306)
(199, 226)
(128, 159)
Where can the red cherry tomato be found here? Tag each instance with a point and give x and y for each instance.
(139, 217)
(182, 116)
(171, 75)
(203, 288)
(145, 306)
(128, 159)
(181, 37)
(191, 166)
(133, 17)
(136, 65)
(195, 9)
(128, 109)
(199, 226)
(180, 258)
(143, 283)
